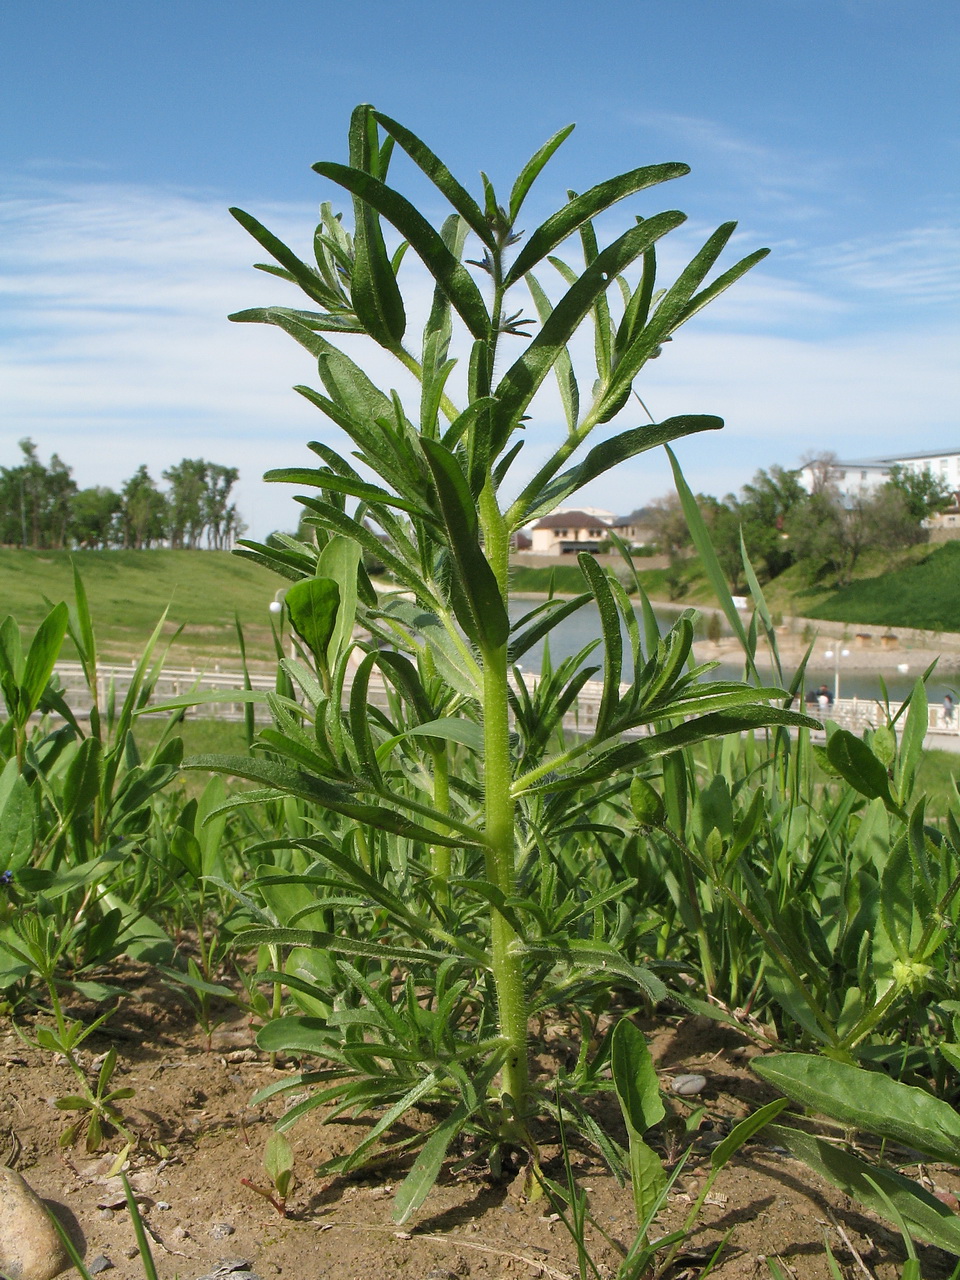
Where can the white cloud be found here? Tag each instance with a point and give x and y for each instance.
(115, 350)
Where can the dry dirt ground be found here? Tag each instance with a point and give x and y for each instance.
(199, 1137)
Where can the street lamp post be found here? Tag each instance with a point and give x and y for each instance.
(836, 655)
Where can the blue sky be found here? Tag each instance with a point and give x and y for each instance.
(828, 128)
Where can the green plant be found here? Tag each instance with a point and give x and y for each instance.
(454, 812)
(278, 1162)
(870, 1102)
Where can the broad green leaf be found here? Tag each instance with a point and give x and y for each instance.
(635, 1078)
(84, 778)
(313, 605)
(867, 1100)
(339, 560)
(856, 763)
(926, 1217)
(41, 657)
(573, 215)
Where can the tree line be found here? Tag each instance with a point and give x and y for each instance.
(824, 530)
(41, 506)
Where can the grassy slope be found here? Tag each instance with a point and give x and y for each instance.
(129, 590)
(925, 595)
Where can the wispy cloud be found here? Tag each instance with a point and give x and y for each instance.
(115, 350)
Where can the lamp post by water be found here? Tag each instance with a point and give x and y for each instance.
(836, 655)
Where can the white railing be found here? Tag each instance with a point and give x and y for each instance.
(855, 714)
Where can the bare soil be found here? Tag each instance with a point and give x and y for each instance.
(199, 1137)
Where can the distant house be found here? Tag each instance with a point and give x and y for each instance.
(565, 533)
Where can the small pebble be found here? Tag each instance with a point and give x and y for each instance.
(131, 1251)
(107, 1214)
(161, 1204)
(687, 1085)
(100, 1263)
(220, 1230)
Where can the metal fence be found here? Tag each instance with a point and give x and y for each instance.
(855, 714)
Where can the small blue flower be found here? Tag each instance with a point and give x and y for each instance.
(6, 878)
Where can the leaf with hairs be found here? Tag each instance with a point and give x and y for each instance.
(538, 498)
(521, 381)
(373, 286)
(487, 621)
(926, 1217)
(305, 276)
(571, 217)
(441, 177)
(452, 277)
(532, 169)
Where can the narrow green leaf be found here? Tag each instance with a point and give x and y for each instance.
(305, 276)
(449, 274)
(567, 220)
(487, 620)
(441, 177)
(540, 497)
(708, 558)
(532, 169)
(373, 286)
(521, 381)
(418, 1183)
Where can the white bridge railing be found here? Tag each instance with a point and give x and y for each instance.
(855, 714)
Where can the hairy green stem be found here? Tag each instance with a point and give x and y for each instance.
(499, 829)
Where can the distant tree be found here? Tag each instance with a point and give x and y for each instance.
(220, 516)
(35, 500)
(823, 470)
(143, 511)
(93, 517)
(669, 525)
(186, 517)
(923, 493)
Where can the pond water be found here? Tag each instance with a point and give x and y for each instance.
(583, 626)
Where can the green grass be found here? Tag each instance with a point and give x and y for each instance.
(924, 595)
(129, 590)
(567, 579)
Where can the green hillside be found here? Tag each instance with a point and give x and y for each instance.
(924, 595)
(129, 590)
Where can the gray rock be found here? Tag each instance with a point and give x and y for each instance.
(100, 1263)
(220, 1230)
(687, 1085)
(30, 1248)
(229, 1267)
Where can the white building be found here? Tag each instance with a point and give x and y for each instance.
(870, 473)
